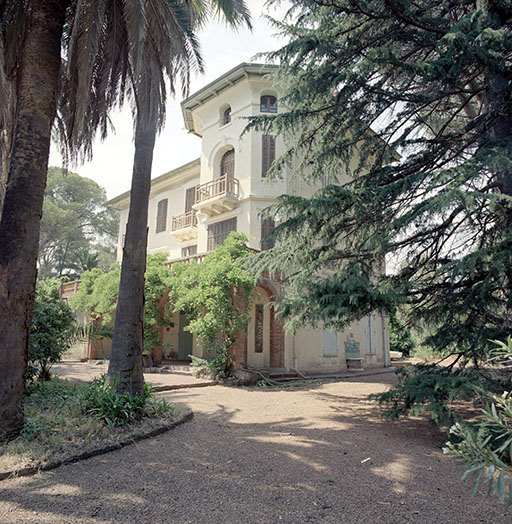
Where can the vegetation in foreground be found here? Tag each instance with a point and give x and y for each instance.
(482, 441)
(64, 419)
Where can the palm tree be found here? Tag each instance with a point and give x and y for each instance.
(119, 44)
(157, 57)
(36, 75)
(155, 48)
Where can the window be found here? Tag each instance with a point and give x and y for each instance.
(190, 198)
(189, 251)
(161, 216)
(267, 225)
(227, 164)
(219, 231)
(226, 117)
(268, 151)
(330, 343)
(258, 328)
(268, 104)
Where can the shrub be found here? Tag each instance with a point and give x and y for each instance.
(429, 388)
(101, 400)
(98, 297)
(51, 330)
(486, 447)
(401, 337)
(218, 367)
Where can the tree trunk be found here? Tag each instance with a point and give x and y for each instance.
(23, 203)
(125, 368)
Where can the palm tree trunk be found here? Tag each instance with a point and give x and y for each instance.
(23, 203)
(125, 368)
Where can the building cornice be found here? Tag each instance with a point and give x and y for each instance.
(240, 72)
(178, 175)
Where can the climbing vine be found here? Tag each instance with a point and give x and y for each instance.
(214, 295)
(98, 296)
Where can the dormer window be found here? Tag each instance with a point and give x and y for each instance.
(226, 117)
(268, 104)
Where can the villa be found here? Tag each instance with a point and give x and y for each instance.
(194, 207)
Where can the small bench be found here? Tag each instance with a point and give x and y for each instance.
(354, 362)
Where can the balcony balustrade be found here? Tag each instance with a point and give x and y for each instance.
(217, 196)
(185, 226)
(188, 219)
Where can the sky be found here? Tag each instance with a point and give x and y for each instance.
(222, 49)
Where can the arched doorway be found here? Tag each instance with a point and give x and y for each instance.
(258, 331)
(265, 334)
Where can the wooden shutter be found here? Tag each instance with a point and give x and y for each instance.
(227, 164)
(219, 231)
(161, 216)
(190, 198)
(268, 151)
(267, 225)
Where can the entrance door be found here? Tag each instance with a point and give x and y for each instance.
(184, 339)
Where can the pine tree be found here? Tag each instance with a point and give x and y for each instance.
(404, 108)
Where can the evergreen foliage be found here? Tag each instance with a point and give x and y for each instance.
(214, 295)
(77, 229)
(98, 296)
(486, 447)
(427, 388)
(402, 111)
(401, 337)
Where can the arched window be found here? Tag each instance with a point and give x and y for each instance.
(227, 163)
(268, 104)
(226, 117)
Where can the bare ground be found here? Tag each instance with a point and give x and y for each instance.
(264, 456)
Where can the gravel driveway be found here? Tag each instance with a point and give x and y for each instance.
(263, 456)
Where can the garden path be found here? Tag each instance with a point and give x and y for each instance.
(317, 454)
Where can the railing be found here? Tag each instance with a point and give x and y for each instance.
(69, 289)
(187, 260)
(225, 185)
(198, 258)
(188, 219)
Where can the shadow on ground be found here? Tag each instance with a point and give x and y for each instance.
(318, 454)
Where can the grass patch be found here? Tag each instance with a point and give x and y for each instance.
(64, 419)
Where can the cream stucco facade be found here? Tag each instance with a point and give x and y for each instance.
(193, 207)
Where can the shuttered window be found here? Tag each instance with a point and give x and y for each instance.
(219, 231)
(227, 164)
(161, 216)
(268, 104)
(190, 198)
(189, 251)
(267, 225)
(268, 151)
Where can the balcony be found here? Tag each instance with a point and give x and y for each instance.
(218, 196)
(185, 226)
(191, 259)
